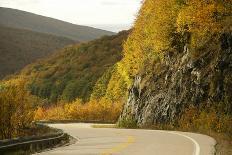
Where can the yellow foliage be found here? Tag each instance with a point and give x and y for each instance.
(16, 111)
(204, 18)
(102, 110)
(160, 26)
(117, 87)
(153, 33)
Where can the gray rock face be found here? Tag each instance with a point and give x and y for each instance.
(182, 80)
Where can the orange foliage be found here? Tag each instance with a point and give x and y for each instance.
(102, 110)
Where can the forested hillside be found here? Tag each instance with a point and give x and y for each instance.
(60, 86)
(19, 48)
(73, 71)
(29, 21)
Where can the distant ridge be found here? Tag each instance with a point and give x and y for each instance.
(29, 21)
(19, 48)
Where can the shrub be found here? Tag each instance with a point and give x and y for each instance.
(16, 109)
(128, 122)
(94, 110)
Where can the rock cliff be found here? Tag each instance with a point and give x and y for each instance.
(180, 80)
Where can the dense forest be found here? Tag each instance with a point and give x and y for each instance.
(172, 72)
(73, 72)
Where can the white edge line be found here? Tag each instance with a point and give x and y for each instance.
(197, 146)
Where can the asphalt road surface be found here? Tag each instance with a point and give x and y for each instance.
(109, 141)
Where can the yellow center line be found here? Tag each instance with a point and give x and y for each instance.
(120, 147)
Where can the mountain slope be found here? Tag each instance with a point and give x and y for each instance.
(25, 20)
(73, 71)
(178, 60)
(21, 47)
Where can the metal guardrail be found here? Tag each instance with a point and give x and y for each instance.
(29, 145)
(33, 144)
(31, 141)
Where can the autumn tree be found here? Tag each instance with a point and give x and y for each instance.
(16, 108)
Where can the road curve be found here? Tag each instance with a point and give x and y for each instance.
(108, 141)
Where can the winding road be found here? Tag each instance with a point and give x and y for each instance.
(110, 141)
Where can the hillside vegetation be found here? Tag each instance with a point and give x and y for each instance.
(60, 87)
(169, 25)
(19, 48)
(29, 21)
(73, 72)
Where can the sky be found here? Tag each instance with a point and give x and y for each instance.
(113, 15)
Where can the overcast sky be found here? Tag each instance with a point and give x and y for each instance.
(114, 15)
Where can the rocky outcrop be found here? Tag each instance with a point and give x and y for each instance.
(183, 79)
